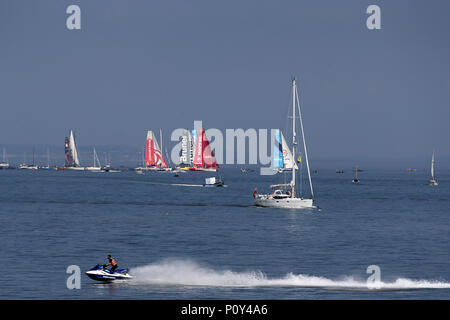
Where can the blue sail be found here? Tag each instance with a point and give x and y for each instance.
(277, 150)
(194, 136)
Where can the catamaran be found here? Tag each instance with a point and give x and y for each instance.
(72, 160)
(286, 195)
(204, 158)
(432, 181)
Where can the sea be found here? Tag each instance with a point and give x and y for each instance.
(386, 237)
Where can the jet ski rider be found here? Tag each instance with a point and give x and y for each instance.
(111, 262)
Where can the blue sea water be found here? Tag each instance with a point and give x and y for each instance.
(189, 242)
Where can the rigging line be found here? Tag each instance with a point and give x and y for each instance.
(304, 144)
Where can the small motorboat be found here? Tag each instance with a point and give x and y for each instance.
(213, 182)
(100, 273)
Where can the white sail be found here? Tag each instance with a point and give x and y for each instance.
(187, 149)
(73, 149)
(288, 159)
(96, 160)
(432, 166)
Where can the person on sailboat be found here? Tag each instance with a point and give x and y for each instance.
(111, 262)
(255, 193)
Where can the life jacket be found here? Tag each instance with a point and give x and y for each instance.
(113, 262)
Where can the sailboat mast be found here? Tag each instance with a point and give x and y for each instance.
(160, 143)
(304, 145)
(294, 142)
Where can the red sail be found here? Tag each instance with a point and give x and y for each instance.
(209, 159)
(149, 152)
(153, 155)
(204, 156)
(160, 159)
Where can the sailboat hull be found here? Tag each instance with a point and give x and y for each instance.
(93, 169)
(203, 169)
(75, 168)
(286, 203)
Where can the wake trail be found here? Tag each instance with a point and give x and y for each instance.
(177, 272)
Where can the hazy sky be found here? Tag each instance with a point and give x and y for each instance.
(139, 65)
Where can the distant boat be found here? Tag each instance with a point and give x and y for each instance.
(26, 166)
(204, 158)
(154, 159)
(410, 170)
(243, 170)
(47, 167)
(432, 181)
(4, 164)
(286, 195)
(96, 167)
(108, 168)
(213, 182)
(355, 179)
(72, 161)
(339, 171)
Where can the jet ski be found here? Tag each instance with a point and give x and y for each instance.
(100, 273)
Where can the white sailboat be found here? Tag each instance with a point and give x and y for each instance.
(286, 195)
(4, 164)
(24, 165)
(355, 179)
(72, 160)
(96, 167)
(432, 181)
(47, 167)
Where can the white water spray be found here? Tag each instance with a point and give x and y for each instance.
(189, 273)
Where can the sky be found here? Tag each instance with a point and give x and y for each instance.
(139, 65)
